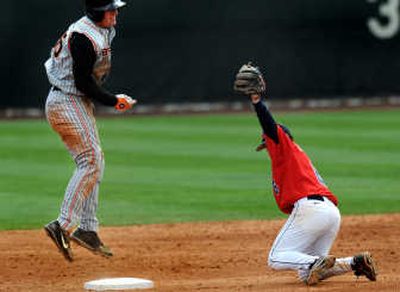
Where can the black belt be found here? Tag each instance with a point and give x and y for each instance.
(315, 197)
(55, 88)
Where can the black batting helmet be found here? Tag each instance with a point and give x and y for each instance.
(95, 8)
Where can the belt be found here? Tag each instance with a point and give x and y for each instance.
(55, 88)
(315, 197)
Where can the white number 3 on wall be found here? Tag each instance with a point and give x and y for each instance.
(387, 24)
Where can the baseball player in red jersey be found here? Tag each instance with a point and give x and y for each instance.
(78, 65)
(304, 242)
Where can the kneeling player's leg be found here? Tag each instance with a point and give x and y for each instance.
(323, 244)
(293, 248)
(289, 248)
(361, 264)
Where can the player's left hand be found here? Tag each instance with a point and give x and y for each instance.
(124, 102)
(249, 80)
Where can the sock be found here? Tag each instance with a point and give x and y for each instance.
(303, 275)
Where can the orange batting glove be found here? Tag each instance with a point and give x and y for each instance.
(124, 102)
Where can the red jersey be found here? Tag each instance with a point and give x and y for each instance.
(294, 176)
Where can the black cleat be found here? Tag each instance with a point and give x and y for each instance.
(91, 241)
(60, 238)
(318, 267)
(363, 265)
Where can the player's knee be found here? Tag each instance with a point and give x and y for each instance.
(275, 260)
(97, 161)
(272, 264)
(271, 261)
(92, 160)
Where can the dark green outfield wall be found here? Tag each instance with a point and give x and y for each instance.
(171, 50)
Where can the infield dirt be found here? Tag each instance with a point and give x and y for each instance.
(218, 256)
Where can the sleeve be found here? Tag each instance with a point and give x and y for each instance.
(267, 122)
(84, 58)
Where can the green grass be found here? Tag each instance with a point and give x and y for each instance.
(199, 168)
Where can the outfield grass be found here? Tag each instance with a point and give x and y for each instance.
(198, 168)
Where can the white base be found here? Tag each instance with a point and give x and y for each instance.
(118, 284)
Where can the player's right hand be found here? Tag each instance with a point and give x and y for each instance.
(124, 102)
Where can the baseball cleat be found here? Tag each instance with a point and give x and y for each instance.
(363, 265)
(318, 267)
(60, 237)
(91, 241)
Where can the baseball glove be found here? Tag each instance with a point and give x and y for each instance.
(249, 80)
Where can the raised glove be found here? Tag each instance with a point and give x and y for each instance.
(124, 102)
(249, 80)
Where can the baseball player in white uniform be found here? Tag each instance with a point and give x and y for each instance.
(78, 64)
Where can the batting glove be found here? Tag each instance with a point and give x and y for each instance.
(124, 102)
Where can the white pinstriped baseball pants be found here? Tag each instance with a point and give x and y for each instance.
(73, 119)
(307, 235)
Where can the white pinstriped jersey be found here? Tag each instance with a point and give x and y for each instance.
(59, 65)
